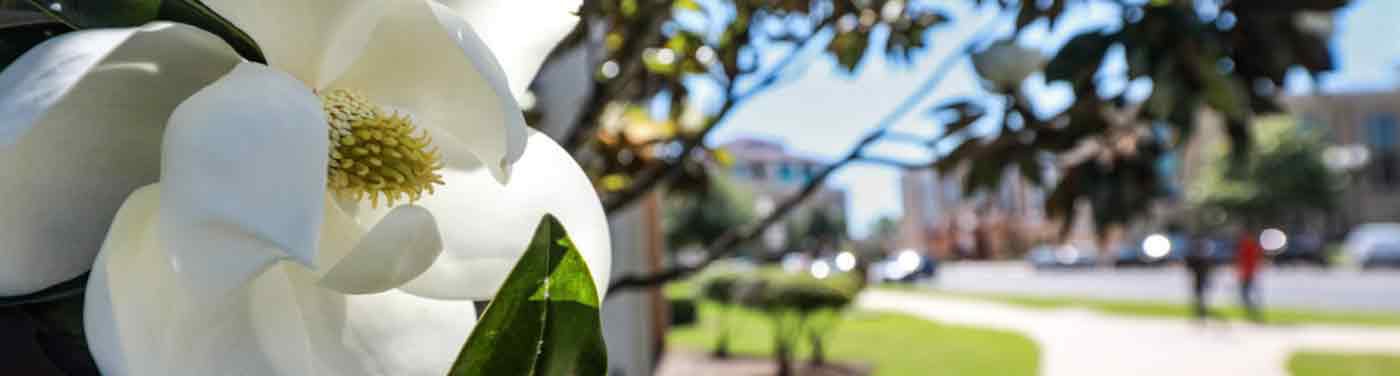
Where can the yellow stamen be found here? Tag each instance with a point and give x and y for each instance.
(376, 153)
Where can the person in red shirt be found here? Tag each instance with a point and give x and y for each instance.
(1247, 255)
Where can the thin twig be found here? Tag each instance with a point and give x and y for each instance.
(727, 243)
(667, 171)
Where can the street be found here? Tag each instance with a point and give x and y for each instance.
(1299, 287)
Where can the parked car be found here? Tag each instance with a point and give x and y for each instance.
(1302, 248)
(906, 266)
(1374, 245)
(1152, 250)
(1064, 256)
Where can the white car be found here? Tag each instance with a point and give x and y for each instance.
(1374, 244)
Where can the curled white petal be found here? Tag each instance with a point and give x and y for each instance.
(400, 247)
(81, 117)
(244, 176)
(520, 46)
(140, 320)
(452, 80)
(487, 225)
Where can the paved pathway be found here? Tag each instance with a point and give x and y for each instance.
(1338, 288)
(1077, 342)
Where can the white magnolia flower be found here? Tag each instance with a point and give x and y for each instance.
(382, 155)
(1004, 65)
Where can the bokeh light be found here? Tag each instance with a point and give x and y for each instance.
(1273, 240)
(1156, 246)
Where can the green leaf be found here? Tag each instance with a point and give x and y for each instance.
(545, 318)
(1080, 58)
(83, 14)
(86, 14)
(195, 13)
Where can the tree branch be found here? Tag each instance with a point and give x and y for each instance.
(667, 171)
(725, 245)
(629, 57)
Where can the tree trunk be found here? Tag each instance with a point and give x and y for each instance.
(818, 352)
(722, 347)
(722, 344)
(783, 355)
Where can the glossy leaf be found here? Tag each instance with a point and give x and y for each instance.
(545, 318)
(1080, 58)
(45, 339)
(70, 288)
(85, 14)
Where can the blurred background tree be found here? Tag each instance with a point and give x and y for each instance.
(1226, 57)
(1281, 181)
(662, 74)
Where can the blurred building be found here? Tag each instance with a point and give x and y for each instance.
(1365, 123)
(1362, 131)
(940, 219)
(772, 173)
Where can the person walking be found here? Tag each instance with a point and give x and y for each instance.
(1247, 255)
(1199, 265)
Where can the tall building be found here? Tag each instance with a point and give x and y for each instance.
(943, 221)
(773, 174)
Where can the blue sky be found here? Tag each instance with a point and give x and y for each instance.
(822, 111)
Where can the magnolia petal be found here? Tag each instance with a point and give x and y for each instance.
(520, 46)
(400, 247)
(81, 117)
(244, 177)
(424, 59)
(410, 335)
(316, 331)
(488, 225)
(139, 319)
(314, 40)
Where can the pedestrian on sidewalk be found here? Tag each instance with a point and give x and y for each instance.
(1247, 255)
(1199, 265)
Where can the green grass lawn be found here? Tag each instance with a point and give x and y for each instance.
(894, 344)
(1171, 310)
(1309, 363)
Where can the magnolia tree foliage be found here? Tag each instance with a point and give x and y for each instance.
(1228, 57)
(642, 120)
(641, 52)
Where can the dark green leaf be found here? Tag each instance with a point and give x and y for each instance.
(967, 112)
(73, 287)
(45, 339)
(85, 14)
(545, 318)
(20, 31)
(1223, 92)
(1080, 58)
(195, 13)
(1288, 5)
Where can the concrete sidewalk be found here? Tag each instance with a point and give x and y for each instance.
(1086, 343)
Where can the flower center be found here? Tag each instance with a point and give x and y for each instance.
(374, 152)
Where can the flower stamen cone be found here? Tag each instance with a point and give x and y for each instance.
(376, 153)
